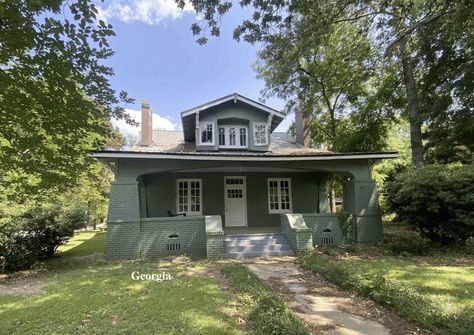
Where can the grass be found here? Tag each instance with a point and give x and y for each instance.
(436, 290)
(99, 297)
(266, 312)
(83, 244)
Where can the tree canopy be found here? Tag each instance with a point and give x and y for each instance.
(418, 65)
(56, 101)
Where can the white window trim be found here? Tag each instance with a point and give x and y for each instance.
(279, 211)
(256, 124)
(188, 180)
(203, 125)
(237, 136)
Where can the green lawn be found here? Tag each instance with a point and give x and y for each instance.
(266, 312)
(429, 290)
(84, 243)
(100, 297)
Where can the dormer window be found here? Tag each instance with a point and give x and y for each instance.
(233, 137)
(260, 136)
(206, 130)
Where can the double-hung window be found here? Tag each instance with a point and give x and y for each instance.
(189, 196)
(232, 136)
(279, 195)
(206, 133)
(260, 133)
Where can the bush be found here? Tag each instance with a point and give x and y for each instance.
(437, 200)
(32, 232)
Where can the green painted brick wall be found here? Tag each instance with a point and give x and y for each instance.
(155, 236)
(215, 246)
(361, 200)
(318, 222)
(123, 222)
(123, 240)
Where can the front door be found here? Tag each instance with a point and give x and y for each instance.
(235, 194)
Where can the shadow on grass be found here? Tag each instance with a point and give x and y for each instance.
(105, 300)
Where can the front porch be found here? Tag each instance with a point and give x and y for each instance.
(148, 202)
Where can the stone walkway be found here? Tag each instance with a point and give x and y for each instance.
(323, 307)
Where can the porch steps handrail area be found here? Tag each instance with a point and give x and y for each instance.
(256, 245)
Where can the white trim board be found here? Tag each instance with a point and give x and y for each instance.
(235, 97)
(211, 157)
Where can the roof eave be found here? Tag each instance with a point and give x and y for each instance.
(233, 96)
(217, 157)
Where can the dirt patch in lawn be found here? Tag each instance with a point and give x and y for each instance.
(325, 308)
(22, 283)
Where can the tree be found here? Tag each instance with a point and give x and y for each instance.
(394, 26)
(334, 80)
(55, 98)
(446, 90)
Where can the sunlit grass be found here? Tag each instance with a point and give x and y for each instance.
(437, 296)
(84, 243)
(100, 297)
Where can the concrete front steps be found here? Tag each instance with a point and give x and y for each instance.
(256, 245)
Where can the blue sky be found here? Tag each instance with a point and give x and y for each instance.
(157, 58)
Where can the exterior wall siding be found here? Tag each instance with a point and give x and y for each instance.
(161, 194)
(239, 114)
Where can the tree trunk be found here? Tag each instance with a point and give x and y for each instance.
(333, 201)
(414, 116)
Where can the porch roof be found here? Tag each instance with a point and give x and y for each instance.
(283, 147)
(244, 156)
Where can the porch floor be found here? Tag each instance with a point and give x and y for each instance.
(251, 230)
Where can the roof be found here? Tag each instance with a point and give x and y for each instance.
(188, 118)
(171, 144)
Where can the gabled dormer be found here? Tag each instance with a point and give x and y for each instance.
(233, 122)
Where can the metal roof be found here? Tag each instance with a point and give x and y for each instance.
(171, 145)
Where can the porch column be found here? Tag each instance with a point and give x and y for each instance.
(123, 222)
(323, 199)
(361, 199)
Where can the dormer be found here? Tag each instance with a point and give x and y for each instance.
(232, 123)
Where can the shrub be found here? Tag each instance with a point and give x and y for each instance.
(437, 200)
(32, 232)
(345, 224)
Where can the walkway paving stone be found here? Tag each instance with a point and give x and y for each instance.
(323, 307)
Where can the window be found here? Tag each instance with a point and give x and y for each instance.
(207, 133)
(221, 137)
(243, 137)
(189, 195)
(232, 137)
(279, 195)
(260, 133)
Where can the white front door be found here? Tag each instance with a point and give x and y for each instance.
(235, 194)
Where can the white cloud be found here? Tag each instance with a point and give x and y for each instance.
(159, 123)
(147, 11)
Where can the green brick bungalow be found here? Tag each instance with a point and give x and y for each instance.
(228, 185)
